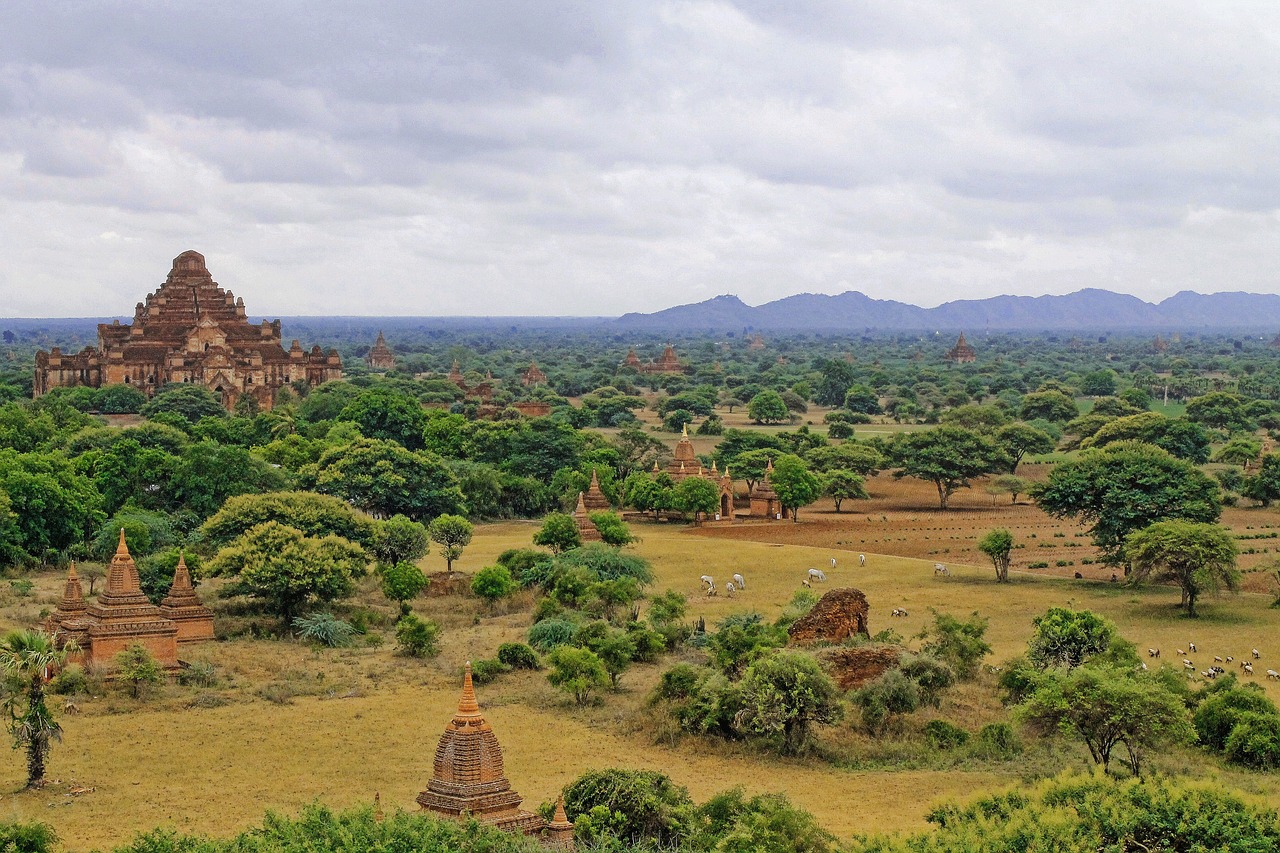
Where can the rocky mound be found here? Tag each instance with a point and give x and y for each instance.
(836, 617)
(853, 667)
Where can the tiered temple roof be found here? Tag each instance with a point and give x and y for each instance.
(764, 500)
(468, 779)
(193, 620)
(667, 363)
(381, 357)
(190, 330)
(962, 353)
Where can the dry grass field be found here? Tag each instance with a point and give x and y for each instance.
(363, 720)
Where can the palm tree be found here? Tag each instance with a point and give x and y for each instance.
(27, 658)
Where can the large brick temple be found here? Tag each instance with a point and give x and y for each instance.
(191, 331)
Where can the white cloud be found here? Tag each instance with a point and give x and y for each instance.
(588, 158)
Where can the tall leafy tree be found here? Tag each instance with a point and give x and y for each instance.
(1019, 439)
(768, 407)
(795, 484)
(452, 533)
(386, 413)
(785, 694)
(948, 457)
(1197, 557)
(384, 479)
(53, 506)
(998, 545)
(1125, 487)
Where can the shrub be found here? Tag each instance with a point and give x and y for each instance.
(136, 667)
(71, 681)
(27, 837)
(959, 644)
(417, 637)
(522, 561)
(198, 673)
(578, 672)
(931, 675)
(325, 629)
(1218, 714)
(637, 805)
(944, 735)
(550, 633)
(678, 682)
(1255, 741)
(892, 693)
(402, 581)
(997, 740)
(493, 583)
(484, 671)
(518, 656)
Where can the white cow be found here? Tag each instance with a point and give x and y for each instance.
(740, 581)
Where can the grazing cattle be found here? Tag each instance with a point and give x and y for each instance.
(833, 563)
(1271, 673)
(740, 581)
(862, 559)
(1248, 668)
(898, 611)
(1188, 664)
(1191, 646)
(1153, 653)
(69, 707)
(817, 575)
(1144, 667)
(1217, 659)
(1230, 659)
(1256, 654)
(711, 590)
(1181, 653)
(941, 569)
(730, 589)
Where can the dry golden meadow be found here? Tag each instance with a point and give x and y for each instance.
(363, 720)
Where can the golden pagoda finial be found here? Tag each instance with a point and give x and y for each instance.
(684, 431)
(122, 550)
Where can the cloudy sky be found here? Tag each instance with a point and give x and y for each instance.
(598, 157)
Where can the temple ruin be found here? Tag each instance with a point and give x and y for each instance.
(189, 331)
(380, 357)
(962, 353)
(123, 616)
(587, 530)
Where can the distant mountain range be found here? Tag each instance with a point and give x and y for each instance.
(1084, 309)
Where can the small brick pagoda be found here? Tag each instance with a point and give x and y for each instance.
(123, 616)
(764, 500)
(191, 331)
(587, 529)
(380, 357)
(533, 375)
(467, 779)
(594, 500)
(667, 363)
(962, 353)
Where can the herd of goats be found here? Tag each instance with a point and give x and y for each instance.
(1217, 668)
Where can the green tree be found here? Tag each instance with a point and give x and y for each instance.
(400, 539)
(960, 644)
(385, 413)
(860, 398)
(1019, 439)
(795, 484)
(862, 459)
(837, 378)
(1107, 708)
(417, 637)
(1182, 438)
(768, 407)
(1053, 406)
(1219, 410)
(696, 495)
(578, 672)
(493, 583)
(893, 693)
(1098, 383)
(998, 545)
(559, 532)
(786, 694)
(452, 533)
(613, 530)
(1069, 638)
(313, 514)
(636, 805)
(948, 457)
(1264, 486)
(1125, 487)
(402, 581)
(286, 569)
(136, 667)
(1195, 556)
(190, 402)
(647, 492)
(26, 659)
(384, 479)
(843, 485)
(1241, 450)
(120, 399)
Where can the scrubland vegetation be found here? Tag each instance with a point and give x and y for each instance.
(1035, 527)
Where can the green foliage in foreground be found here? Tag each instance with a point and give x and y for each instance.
(1088, 813)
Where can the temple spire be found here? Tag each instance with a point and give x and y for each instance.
(468, 707)
(122, 550)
